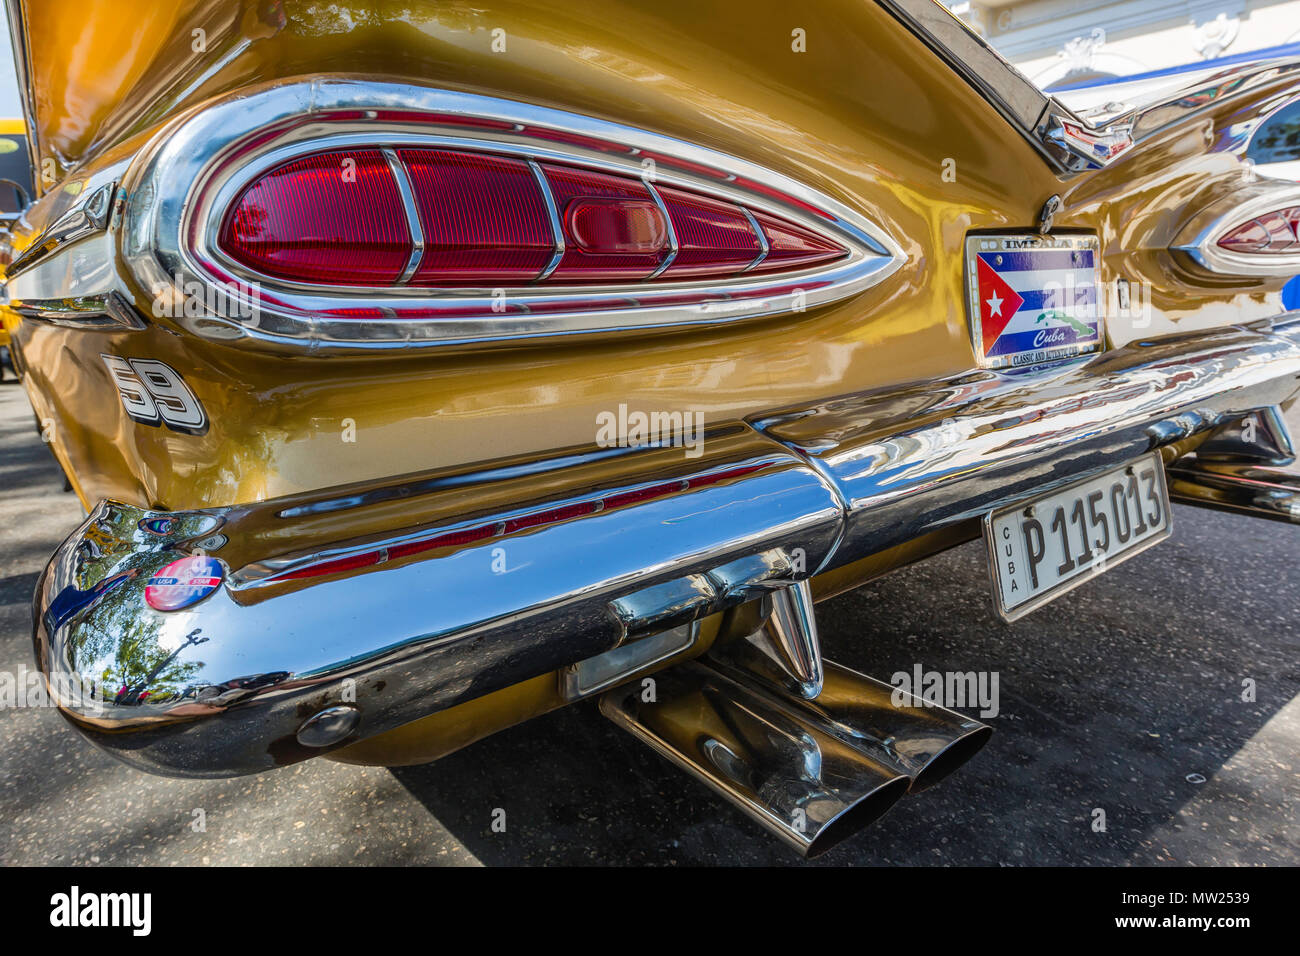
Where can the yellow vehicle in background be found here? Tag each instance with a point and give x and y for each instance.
(15, 194)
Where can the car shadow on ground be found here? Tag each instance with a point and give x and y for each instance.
(1124, 697)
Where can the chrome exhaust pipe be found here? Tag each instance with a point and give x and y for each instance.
(812, 769)
(926, 741)
(779, 764)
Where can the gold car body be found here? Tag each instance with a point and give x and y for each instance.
(846, 98)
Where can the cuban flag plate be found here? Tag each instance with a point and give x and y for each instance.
(1032, 299)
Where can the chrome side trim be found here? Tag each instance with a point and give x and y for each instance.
(90, 215)
(552, 213)
(830, 484)
(182, 182)
(1199, 238)
(763, 246)
(412, 212)
(108, 312)
(672, 233)
(73, 284)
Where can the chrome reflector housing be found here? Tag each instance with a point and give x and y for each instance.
(1202, 238)
(181, 186)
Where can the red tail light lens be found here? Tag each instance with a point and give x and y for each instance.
(576, 190)
(434, 218)
(606, 227)
(1270, 234)
(483, 217)
(335, 218)
(793, 247)
(714, 238)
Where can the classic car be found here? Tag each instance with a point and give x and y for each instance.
(424, 368)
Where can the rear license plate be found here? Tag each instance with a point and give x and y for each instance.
(1042, 548)
(1032, 299)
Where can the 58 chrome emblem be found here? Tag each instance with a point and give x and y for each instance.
(154, 393)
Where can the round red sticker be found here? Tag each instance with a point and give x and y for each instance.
(183, 583)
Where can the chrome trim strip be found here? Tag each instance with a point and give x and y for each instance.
(73, 284)
(557, 230)
(764, 246)
(672, 233)
(196, 165)
(108, 312)
(840, 481)
(412, 212)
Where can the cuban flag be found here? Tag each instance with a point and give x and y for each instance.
(1037, 300)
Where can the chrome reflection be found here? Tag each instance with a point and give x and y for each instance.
(1272, 493)
(785, 650)
(929, 456)
(920, 737)
(440, 625)
(604, 547)
(778, 764)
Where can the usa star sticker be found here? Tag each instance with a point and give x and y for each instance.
(998, 303)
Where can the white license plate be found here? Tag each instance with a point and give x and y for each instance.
(1042, 548)
(1032, 299)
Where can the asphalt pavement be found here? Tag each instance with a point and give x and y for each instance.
(1125, 697)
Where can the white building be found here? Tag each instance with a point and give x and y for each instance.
(1061, 42)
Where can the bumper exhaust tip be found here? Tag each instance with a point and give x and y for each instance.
(951, 757)
(779, 764)
(855, 818)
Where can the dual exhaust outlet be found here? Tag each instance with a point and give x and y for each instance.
(811, 750)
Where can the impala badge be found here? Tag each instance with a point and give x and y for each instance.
(1032, 299)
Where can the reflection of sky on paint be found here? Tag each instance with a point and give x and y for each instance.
(9, 107)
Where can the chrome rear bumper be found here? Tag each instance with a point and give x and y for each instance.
(395, 599)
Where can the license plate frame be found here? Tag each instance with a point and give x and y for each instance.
(1058, 278)
(1002, 518)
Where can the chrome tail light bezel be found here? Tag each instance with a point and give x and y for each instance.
(1199, 238)
(178, 191)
